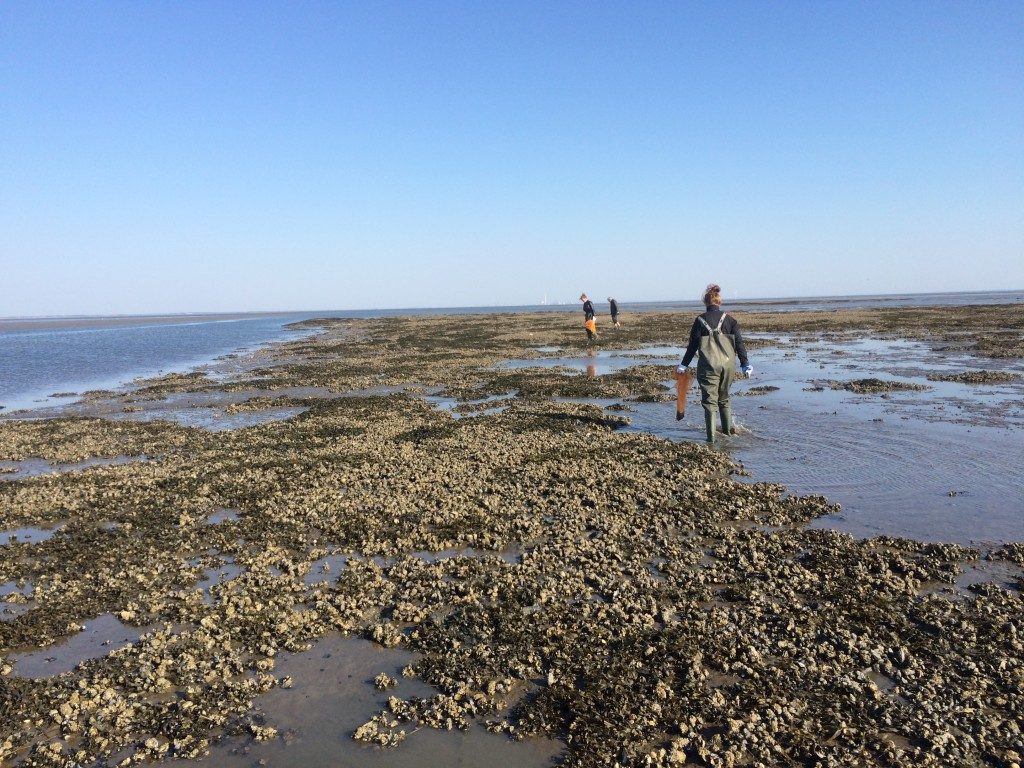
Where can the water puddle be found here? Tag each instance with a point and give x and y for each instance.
(723, 680)
(225, 570)
(214, 419)
(327, 568)
(898, 741)
(1003, 574)
(11, 611)
(15, 599)
(215, 410)
(885, 684)
(28, 535)
(598, 363)
(225, 398)
(332, 694)
(18, 470)
(461, 409)
(15, 588)
(98, 638)
(656, 569)
(512, 555)
(223, 515)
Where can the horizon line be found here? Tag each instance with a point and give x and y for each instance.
(268, 312)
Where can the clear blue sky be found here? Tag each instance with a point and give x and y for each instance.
(189, 156)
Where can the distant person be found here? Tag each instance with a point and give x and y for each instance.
(613, 307)
(715, 337)
(589, 322)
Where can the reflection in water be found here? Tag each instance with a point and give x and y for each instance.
(591, 370)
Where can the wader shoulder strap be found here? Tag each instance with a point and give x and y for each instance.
(716, 328)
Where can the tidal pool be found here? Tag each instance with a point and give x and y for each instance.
(461, 409)
(97, 638)
(18, 470)
(28, 534)
(333, 693)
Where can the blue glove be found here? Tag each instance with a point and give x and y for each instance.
(747, 370)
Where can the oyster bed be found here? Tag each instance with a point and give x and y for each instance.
(552, 575)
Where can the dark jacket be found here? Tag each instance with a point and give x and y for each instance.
(613, 307)
(588, 310)
(711, 317)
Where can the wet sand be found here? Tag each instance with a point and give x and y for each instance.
(607, 592)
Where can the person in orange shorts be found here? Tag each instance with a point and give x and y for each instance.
(589, 322)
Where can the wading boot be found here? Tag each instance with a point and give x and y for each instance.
(709, 425)
(725, 412)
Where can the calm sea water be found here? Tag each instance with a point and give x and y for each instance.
(41, 358)
(37, 363)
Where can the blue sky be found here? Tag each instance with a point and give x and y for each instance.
(205, 156)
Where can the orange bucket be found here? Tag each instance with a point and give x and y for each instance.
(682, 388)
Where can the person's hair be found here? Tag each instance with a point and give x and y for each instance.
(583, 297)
(712, 295)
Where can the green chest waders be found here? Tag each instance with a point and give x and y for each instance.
(716, 366)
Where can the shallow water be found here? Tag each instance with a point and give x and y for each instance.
(209, 410)
(38, 366)
(512, 555)
(938, 465)
(15, 599)
(461, 409)
(596, 363)
(223, 515)
(11, 587)
(98, 638)
(333, 694)
(18, 470)
(225, 570)
(327, 568)
(28, 535)
(213, 419)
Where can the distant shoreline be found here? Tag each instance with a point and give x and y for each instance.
(85, 322)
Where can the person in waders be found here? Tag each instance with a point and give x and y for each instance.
(589, 322)
(715, 338)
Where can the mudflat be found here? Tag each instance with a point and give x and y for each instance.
(548, 574)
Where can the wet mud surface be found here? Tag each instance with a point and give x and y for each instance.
(329, 695)
(546, 581)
